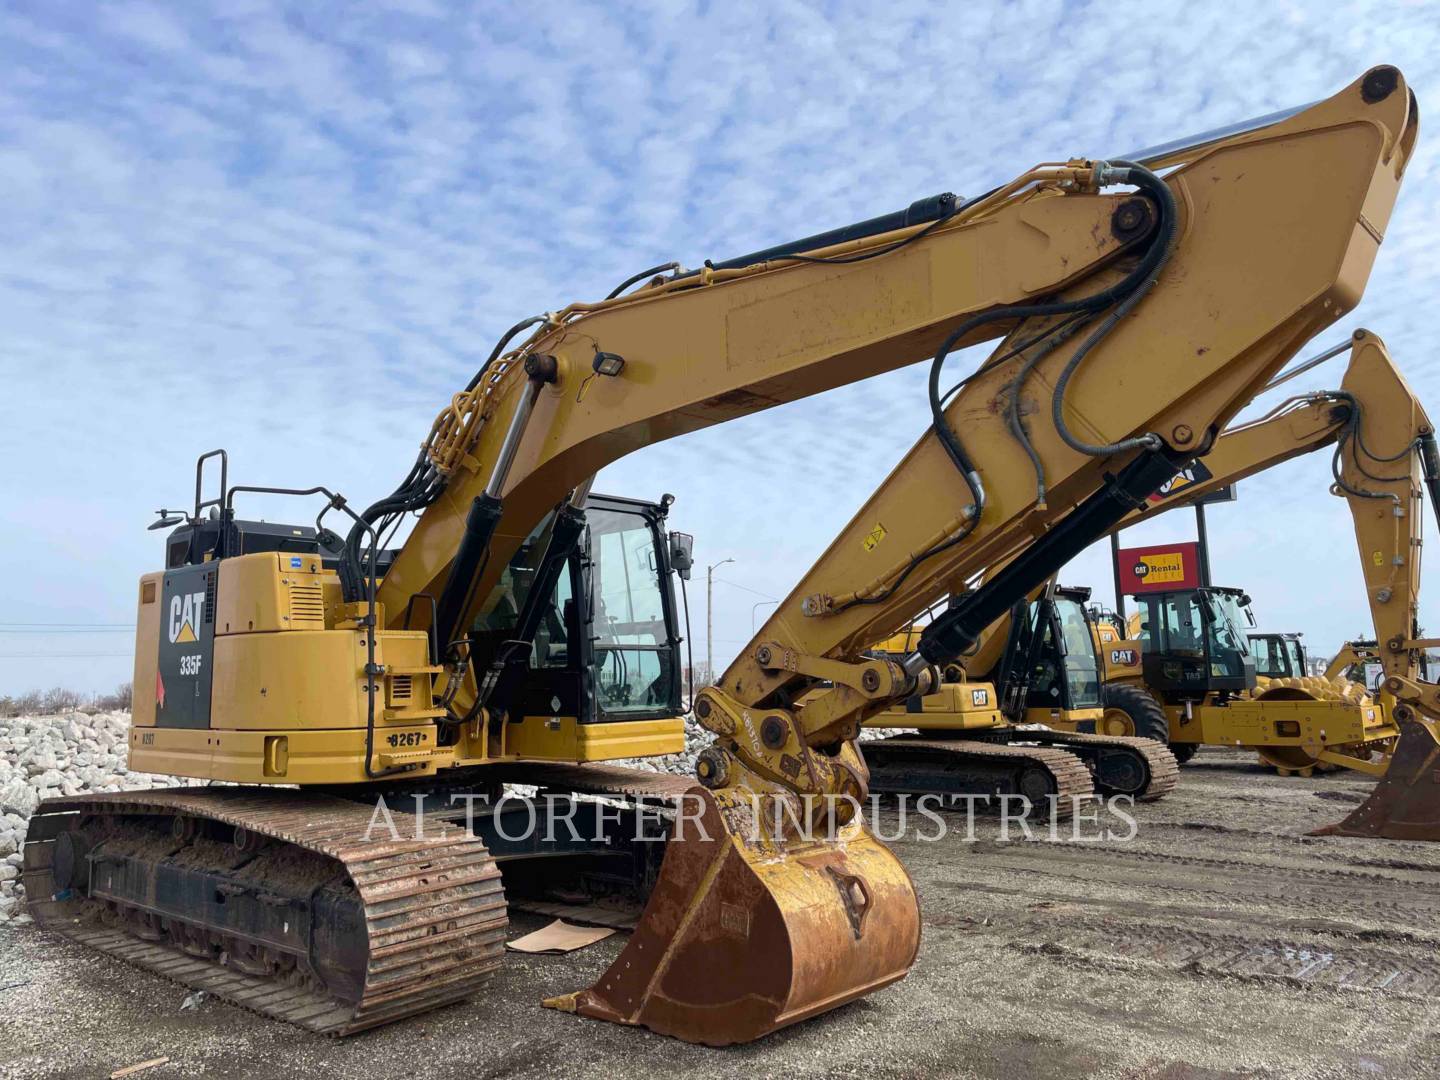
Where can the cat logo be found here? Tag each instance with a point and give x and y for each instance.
(979, 698)
(185, 614)
(1160, 567)
(1194, 473)
(1122, 657)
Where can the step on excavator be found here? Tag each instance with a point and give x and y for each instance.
(1139, 301)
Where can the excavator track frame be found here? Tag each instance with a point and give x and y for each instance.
(1159, 767)
(433, 908)
(975, 766)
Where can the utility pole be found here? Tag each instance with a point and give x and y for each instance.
(755, 608)
(710, 618)
(1115, 569)
(1204, 544)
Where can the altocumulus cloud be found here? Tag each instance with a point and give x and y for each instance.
(294, 230)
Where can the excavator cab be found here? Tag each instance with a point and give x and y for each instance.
(1051, 664)
(590, 672)
(1278, 656)
(1193, 644)
(607, 643)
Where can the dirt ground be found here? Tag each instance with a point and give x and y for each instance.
(1219, 942)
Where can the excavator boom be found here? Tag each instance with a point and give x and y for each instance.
(1384, 461)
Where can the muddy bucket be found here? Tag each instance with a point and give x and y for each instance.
(745, 934)
(1405, 804)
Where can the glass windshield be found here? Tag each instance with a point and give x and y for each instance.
(1297, 657)
(1082, 669)
(501, 610)
(1177, 624)
(1227, 642)
(1271, 657)
(552, 639)
(634, 667)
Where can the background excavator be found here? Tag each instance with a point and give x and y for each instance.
(1192, 679)
(1135, 322)
(1383, 459)
(1017, 715)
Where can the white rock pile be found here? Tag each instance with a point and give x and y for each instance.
(697, 738)
(42, 757)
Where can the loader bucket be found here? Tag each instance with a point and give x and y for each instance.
(1405, 804)
(744, 935)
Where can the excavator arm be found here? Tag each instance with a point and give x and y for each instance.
(1384, 459)
(1069, 434)
(1134, 324)
(1374, 408)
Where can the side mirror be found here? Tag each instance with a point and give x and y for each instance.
(682, 554)
(167, 520)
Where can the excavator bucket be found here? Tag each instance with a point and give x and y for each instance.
(744, 934)
(1405, 804)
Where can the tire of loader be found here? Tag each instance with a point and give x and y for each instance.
(1405, 803)
(1184, 751)
(1147, 718)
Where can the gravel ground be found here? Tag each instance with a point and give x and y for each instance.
(1219, 942)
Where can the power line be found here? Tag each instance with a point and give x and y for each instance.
(737, 585)
(66, 656)
(67, 626)
(62, 630)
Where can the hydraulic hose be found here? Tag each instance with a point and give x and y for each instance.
(1154, 261)
(1135, 284)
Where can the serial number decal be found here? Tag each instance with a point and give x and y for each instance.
(406, 738)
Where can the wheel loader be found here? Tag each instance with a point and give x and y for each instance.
(324, 693)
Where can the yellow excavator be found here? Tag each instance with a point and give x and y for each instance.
(1194, 681)
(1195, 660)
(1141, 302)
(1026, 694)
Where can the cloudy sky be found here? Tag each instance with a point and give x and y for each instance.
(293, 231)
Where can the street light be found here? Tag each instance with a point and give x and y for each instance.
(756, 607)
(710, 620)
